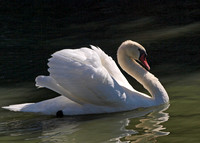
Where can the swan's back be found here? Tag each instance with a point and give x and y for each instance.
(85, 76)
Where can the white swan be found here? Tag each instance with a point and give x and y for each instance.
(90, 82)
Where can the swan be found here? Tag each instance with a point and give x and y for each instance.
(90, 82)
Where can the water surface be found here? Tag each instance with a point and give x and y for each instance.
(32, 31)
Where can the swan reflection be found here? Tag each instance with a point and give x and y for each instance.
(150, 127)
(141, 125)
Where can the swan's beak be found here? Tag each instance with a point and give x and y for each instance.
(143, 60)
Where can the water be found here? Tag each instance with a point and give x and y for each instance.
(32, 31)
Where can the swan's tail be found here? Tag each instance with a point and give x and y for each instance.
(17, 107)
(48, 107)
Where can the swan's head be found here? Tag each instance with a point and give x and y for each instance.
(135, 51)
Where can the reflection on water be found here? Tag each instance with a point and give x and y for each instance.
(150, 128)
(114, 128)
(32, 31)
(138, 126)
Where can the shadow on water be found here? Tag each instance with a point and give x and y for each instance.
(142, 125)
(32, 31)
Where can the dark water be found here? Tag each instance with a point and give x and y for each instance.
(32, 31)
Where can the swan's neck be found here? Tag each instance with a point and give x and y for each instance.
(148, 80)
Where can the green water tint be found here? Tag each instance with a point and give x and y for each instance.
(32, 31)
(174, 122)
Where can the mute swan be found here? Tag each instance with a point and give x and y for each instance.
(90, 82)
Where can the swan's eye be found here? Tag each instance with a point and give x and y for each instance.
(142, 53)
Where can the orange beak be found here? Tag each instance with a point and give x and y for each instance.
(143, 60)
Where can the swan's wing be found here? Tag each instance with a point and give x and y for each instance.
(80, 76)
(112, 68)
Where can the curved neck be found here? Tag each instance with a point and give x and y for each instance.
(148, 80)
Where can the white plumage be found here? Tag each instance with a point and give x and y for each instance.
(90, 82)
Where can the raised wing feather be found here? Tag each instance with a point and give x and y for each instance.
(112, 68)
(81, 76)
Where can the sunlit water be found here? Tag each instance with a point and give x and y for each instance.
(30, 34)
